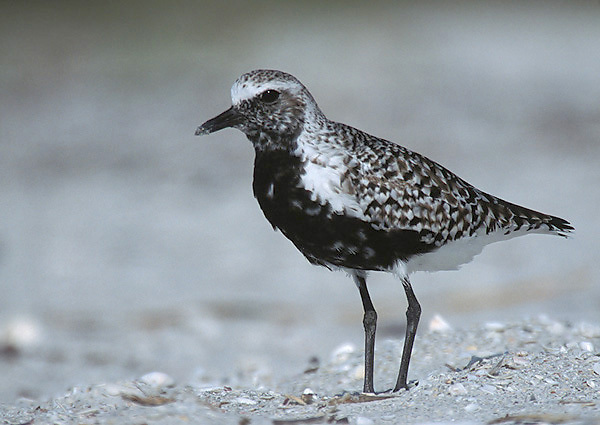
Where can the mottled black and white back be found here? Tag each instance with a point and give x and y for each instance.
(352, 201)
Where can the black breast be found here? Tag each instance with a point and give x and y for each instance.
(323, 236)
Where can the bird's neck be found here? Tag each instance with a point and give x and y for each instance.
(265, 141)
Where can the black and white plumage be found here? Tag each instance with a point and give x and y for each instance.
(352, 201)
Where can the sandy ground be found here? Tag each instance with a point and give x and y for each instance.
(535, 372)
(129, 246)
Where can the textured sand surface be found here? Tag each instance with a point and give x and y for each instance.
(534, 371)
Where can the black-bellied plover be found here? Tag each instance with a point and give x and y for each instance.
(351, 201)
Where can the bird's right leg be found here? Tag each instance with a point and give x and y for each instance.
(370, 324)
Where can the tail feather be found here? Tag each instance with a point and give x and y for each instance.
(528, 219)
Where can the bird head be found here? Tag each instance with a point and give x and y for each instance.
(267, 105)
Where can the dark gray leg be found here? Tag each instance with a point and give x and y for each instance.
(413, 313)
(370, 324)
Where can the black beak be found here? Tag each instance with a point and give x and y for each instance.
(229, 118)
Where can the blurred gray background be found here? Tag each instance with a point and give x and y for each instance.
(128, 245)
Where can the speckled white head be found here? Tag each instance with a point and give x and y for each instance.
(268, 106)
(254, 83)
(271, 107)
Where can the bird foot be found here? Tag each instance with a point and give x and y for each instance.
(409, 385)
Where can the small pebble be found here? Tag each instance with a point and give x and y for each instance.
(589, 331)
(472, 377)
(20, 334)
(495, 326)
(157, 380)
(471, 407)
(490, 389)
(571, 345)
(207, 388)
(358, 373)
(481, 372)
(361, 420)
(596, 368)
(342, 353)
(586, 346)
(308, 396)
(116, 389)
(246, 401)
(555, 328)
(520, 361)
(457, 389)
(438, 324)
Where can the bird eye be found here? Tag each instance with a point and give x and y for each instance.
(269, 96)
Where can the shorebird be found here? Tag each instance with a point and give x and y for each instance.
(351, 201)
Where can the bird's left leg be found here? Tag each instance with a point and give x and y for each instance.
(413, 313)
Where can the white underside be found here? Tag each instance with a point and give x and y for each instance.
(454, 254)
(450, 256)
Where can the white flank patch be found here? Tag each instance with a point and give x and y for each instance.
(323, 166)
(399, 270)
(321, 182)
(454, 254)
